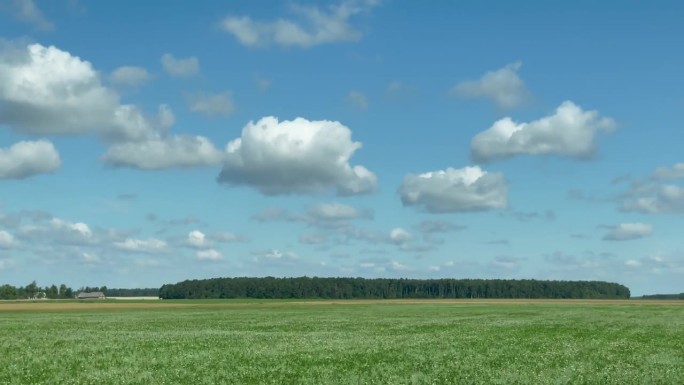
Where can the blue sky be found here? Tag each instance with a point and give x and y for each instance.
(144, 143)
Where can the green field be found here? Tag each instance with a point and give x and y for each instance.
(354, 342)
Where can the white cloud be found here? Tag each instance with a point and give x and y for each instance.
(180, 67)
(382, 265)
(263, 83)
(26, 159)
(197, 238)
(211, 104)
(400, 236)
(398, 91)
(674, 172)
(398, 266)
(313, 239)
(437, 226)
(653, 195)
(6, 264)
(658, 265)
(628, 231)
(366, 235)
(454, 190)
(44, 90)
(145, 145)
(276, 214)
(656, 199)
(79, 228)
(56, 231)
(162, 153)
(275, 256)
(315, 26)
(570, 131)
(296, 157)
(7, 240)
(165, 118)
(335, 212)
(503, 87)
(90, 258)
(226, 236)
(129, 124)
(328, 217)
(28, 12)
(430, 230)
(505, 263)
(208, 255)
(147, 262)
(451, 266)
(129, 76)
(633, 263)
(151, 245)
(357, 100)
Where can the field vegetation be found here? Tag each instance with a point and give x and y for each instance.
(342, 342)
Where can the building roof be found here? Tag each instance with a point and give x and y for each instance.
(94, 294)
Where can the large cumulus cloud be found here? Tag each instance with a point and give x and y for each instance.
(454, 190)
(47, 91)
(296, 157)
(44, 90)
(570, 131)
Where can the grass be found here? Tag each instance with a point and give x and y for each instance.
(318, 342)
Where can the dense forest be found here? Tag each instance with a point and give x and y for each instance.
(348, 288)
(33, 291)
(345, 288)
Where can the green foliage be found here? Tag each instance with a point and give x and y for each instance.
(63, 292)
(277, 342)
(663, 296)
(146, 292)
(32, 290)
(348, 288)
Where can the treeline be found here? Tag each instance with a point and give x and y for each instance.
(33, 291)
(146, 292)
(349, 288)
(663, 296)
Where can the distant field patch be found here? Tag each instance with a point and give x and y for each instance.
(341, 342)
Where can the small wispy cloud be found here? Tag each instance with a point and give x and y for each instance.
(503, 87)
(310, 26)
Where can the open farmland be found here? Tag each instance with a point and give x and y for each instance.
(341, 342)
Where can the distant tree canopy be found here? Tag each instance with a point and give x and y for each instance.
(32, 290)
(361, 288)
(146, 292)
(663, 296)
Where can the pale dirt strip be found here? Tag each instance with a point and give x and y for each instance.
(84, 305)
(135, 298)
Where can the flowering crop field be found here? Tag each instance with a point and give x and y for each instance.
(342, 342)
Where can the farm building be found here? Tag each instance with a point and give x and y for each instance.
(91, 295)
